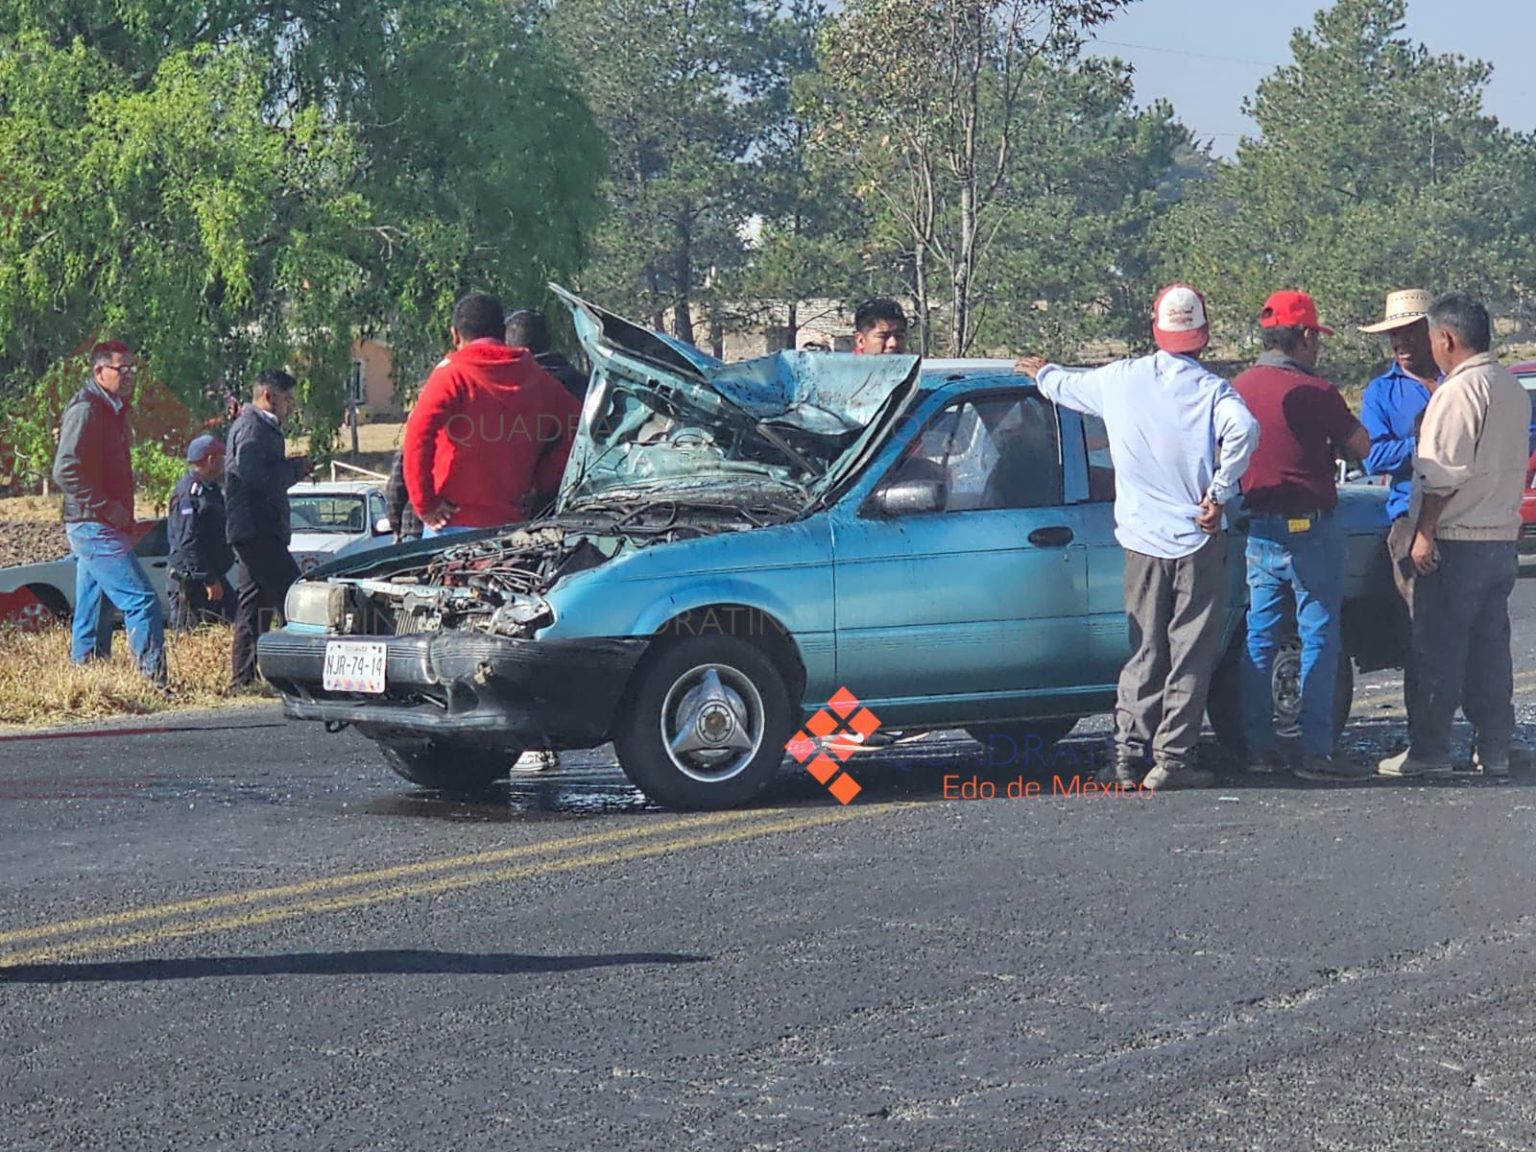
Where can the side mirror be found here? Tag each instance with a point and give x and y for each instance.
(909, 498)
(382, 526)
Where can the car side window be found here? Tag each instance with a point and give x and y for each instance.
(1101, 466)
(997, 452)
(155, 542)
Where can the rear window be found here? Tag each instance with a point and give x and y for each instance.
(1101, 468)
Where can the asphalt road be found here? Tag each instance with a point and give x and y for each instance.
(254, 937)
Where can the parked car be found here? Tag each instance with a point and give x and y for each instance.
(1526, 374)
(731, 545)
(38, 594)
(327, 517)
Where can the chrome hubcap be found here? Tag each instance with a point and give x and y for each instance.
(712, 723)
(1287, 692)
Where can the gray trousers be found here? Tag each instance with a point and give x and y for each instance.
(1175, 616)
(1399, 545)
(1461, 649)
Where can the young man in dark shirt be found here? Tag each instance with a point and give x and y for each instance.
(529, 328)
(1290, 491)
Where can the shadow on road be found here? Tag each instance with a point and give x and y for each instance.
(371, 962)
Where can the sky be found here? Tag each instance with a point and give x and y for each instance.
(1205, 56)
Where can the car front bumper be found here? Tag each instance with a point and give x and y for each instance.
(545, 693)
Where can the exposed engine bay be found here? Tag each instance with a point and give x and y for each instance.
(496, 584)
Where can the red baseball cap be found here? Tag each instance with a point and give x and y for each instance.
(1291, 309)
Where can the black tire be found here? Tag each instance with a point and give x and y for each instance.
(53, 607)
(1224, 702)
(1224, 706)
(746, 710)
(455, 766)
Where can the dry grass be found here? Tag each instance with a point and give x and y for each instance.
(50, 509)
(39, 686)
(372, 439)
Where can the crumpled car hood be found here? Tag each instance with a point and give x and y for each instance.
(661, 414)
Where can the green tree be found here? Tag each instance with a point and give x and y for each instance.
(1094, 177)
(806, 231)
(230, 184)
(925, 101)
(1375, 168)
(678, 87)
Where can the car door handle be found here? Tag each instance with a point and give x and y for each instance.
(159, 564)
(1056, 536)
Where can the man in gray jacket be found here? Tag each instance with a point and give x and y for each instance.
(94, 470)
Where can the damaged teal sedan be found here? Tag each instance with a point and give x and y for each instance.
(733, 544)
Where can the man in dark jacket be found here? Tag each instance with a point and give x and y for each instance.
(200, 551)
(256, 500)
(94, 470)
(402, 517)
(529, 328)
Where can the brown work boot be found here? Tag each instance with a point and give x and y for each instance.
(1122, 772)
(1165, 779)
(1409, 767)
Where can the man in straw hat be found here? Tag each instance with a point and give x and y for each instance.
(1391, 411)
(1395, 400)
(1180, 439)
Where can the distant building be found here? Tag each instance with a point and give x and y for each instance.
(371, 383)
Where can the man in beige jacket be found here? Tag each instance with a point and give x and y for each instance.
(1468, 477)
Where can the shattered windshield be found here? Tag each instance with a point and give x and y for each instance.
(662, 418)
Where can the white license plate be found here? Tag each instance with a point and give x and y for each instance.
(354, 667)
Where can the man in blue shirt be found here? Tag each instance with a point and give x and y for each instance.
(1396, 399)
(1391, 410)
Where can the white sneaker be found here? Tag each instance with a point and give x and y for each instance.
(537, 760)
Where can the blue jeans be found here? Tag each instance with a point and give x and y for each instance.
(445, 530)
(1310, 566)
(106, 568)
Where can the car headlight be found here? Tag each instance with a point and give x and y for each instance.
(316, 604)
(514, 617)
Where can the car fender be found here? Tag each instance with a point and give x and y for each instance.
(737, 593)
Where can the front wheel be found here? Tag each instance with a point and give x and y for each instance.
(706, 724)
(46, 608)
(456, 766)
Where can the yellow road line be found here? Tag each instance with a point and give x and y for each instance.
(433, 887)
(374, 876)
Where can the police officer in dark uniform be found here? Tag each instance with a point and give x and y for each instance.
(200, 553)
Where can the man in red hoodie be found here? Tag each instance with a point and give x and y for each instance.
(488, 438)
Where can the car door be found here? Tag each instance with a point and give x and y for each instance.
(153, 550)
(974, 608)
(1109, 636)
